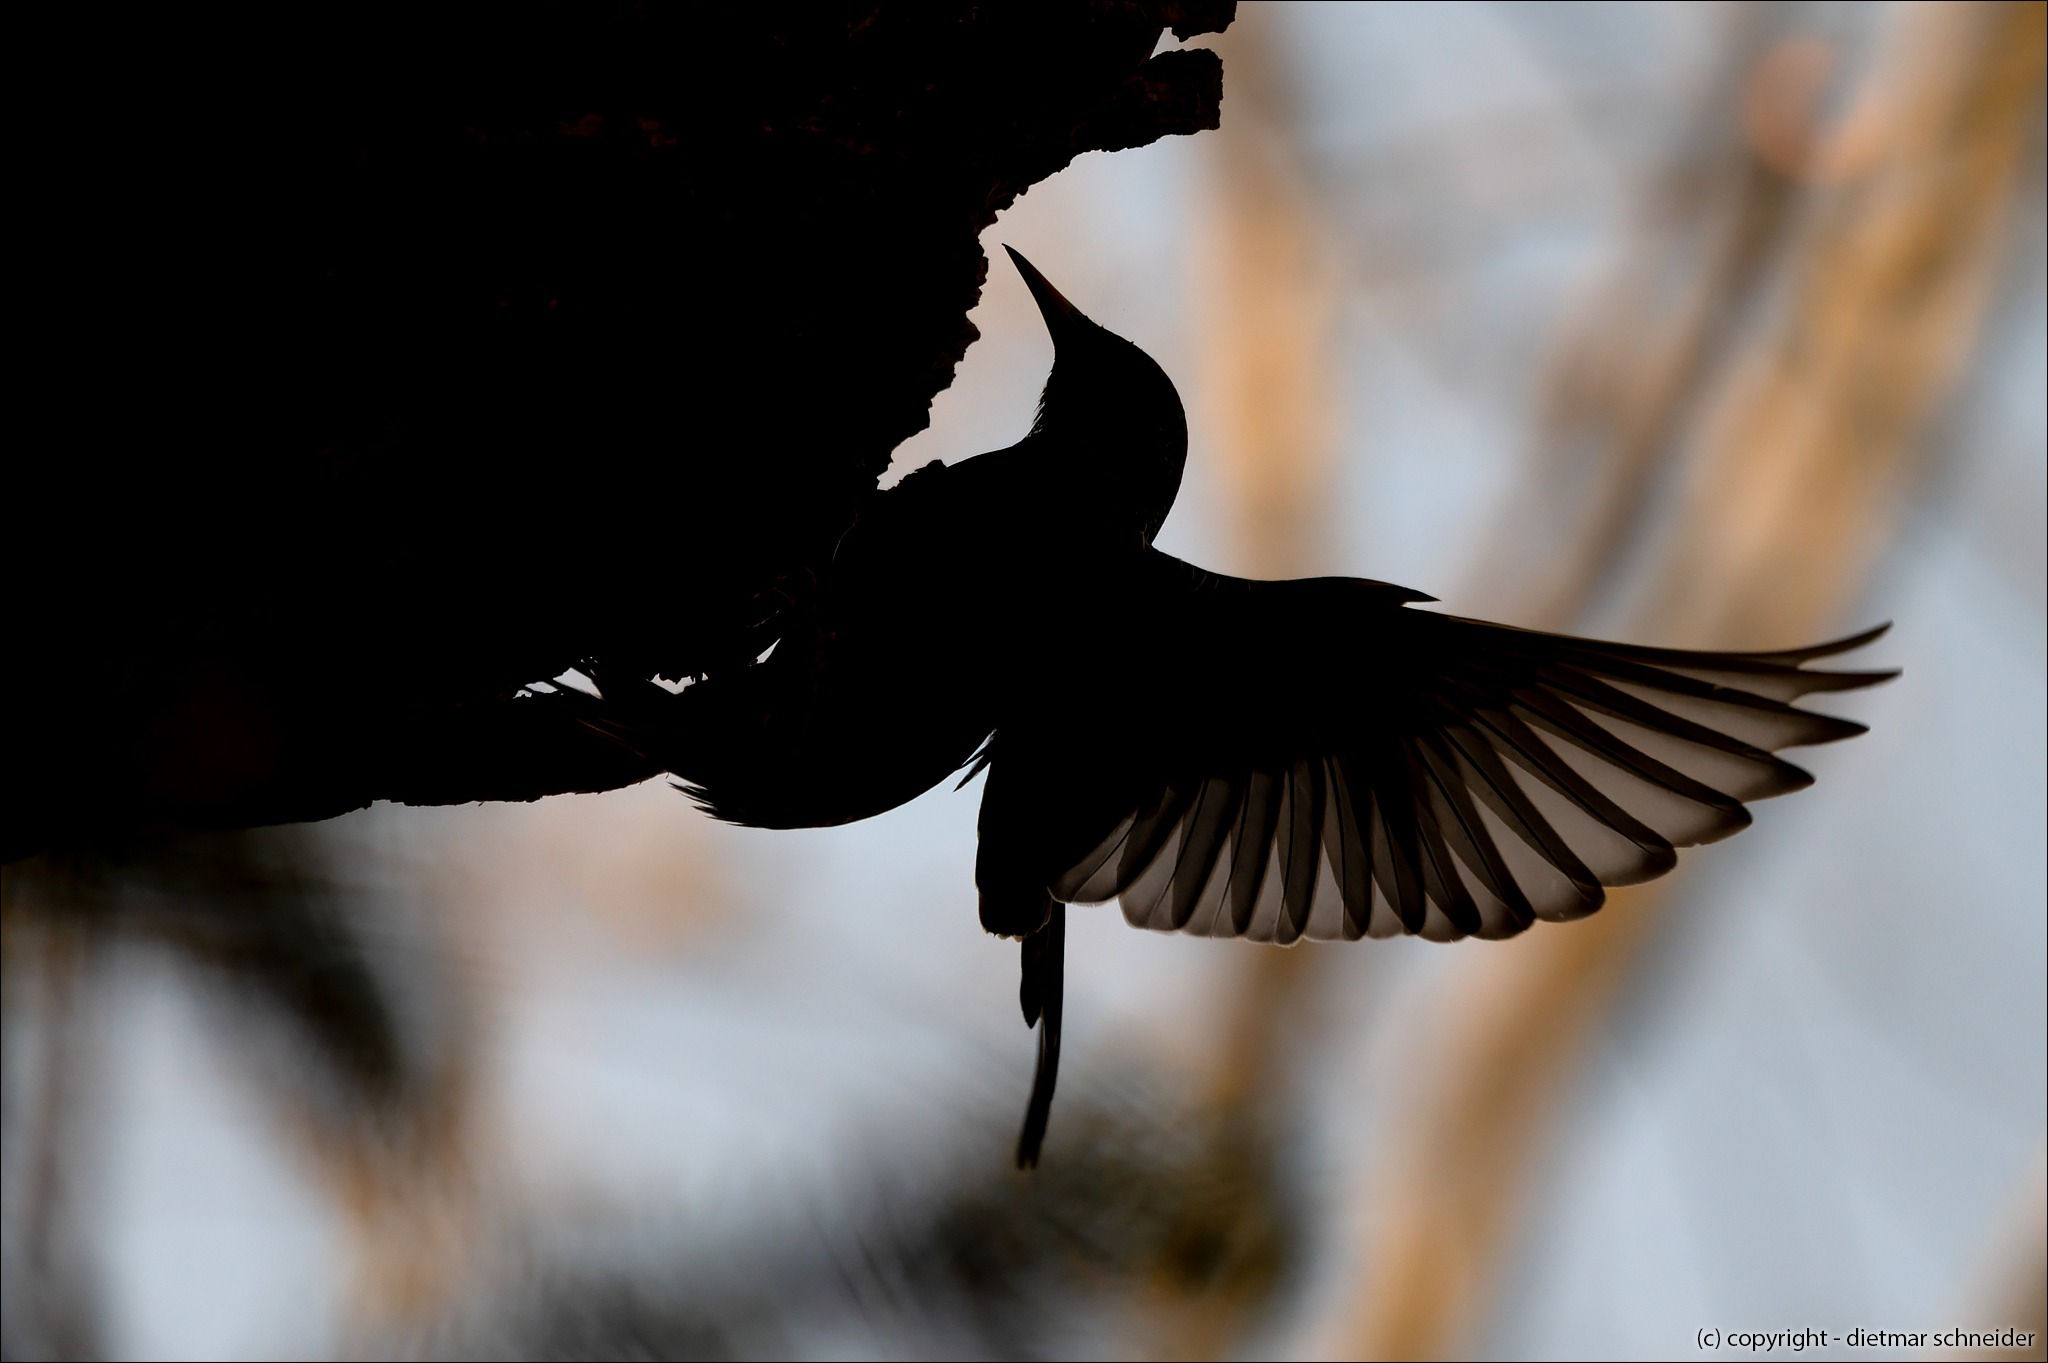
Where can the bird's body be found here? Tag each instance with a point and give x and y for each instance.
(961, 595)
(1272, 760)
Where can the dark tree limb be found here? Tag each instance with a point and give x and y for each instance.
(384, 366)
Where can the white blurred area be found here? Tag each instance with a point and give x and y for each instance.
(1816, 1098)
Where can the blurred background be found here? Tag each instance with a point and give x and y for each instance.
(1718, 325)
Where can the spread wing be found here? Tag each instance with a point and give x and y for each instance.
(1483, 778)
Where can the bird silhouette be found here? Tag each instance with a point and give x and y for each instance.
(1270, 760)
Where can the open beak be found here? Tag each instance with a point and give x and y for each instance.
(1062, 318)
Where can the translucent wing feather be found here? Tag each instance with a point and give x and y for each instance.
(1489, 777)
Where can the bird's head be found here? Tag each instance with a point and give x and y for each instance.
(1110, 408)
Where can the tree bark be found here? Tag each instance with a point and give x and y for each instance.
(383, 366)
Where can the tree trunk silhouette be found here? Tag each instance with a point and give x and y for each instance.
(381, 367)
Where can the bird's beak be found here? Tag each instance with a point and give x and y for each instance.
(1062, 318)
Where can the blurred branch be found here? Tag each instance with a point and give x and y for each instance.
(1634, 368)
(410, 1198)
(1269, 289)
(1817, 445)
(2011, 1291)
(52, 1043)
(371, 1093)
(1794, 494)
(967, 1260)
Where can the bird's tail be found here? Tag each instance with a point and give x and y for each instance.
(1041, 992)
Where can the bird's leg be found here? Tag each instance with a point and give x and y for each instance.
(1040, 992)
